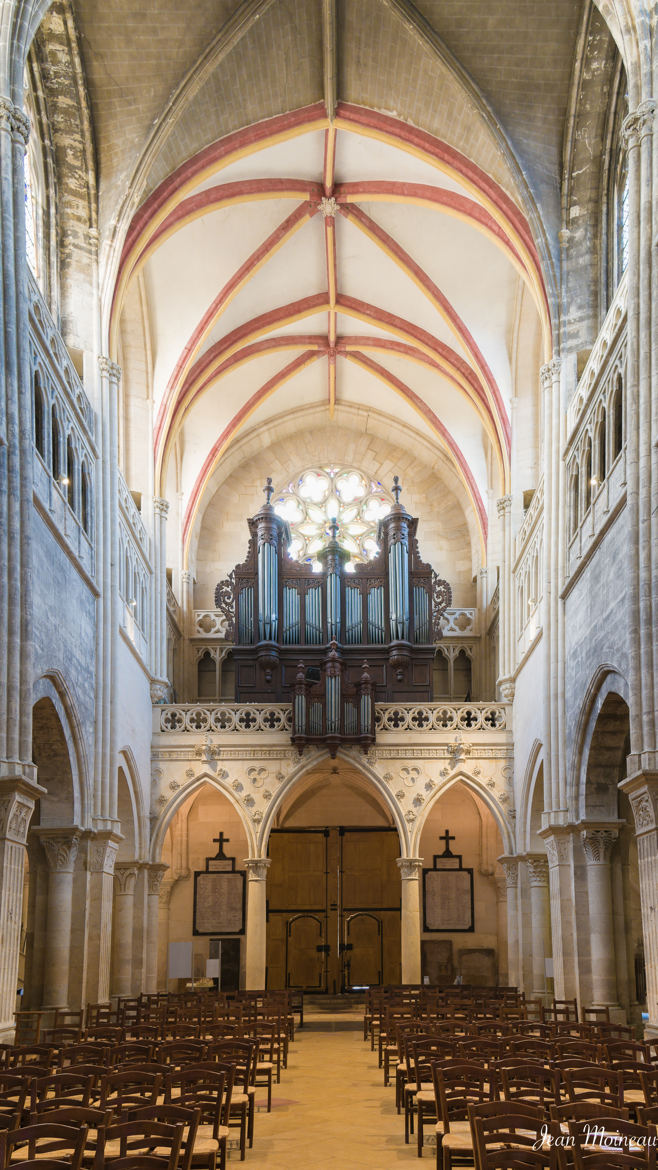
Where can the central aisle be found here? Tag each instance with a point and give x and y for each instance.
(331, 1110)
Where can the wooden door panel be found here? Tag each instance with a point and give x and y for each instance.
(371, 878)
(296, 880)
(305, 963)
(363, 933)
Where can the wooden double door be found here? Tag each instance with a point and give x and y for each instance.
(333, 909)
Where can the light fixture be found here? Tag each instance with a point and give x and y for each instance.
(64, 480)
(133, 601)
(593, 481)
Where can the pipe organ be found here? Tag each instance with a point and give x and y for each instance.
(335, 641)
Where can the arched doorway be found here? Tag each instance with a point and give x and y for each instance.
(609, 918)
(202, 820)
(463, 917)
(51, 962)
(333, 885)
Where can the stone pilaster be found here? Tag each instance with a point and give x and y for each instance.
(506, 610)
(107, 525)
(559, 852)
(159, 599)
(101, 859)
(410, 873)
(537, 866)
(553, 573)
(61, 849)
(641, 422)
(598, 843)
(125, 878)
(155, 874)
(164, 902)
(17, 799)
(256, 935)
(501, 918)
(510, 867)
(642, 791)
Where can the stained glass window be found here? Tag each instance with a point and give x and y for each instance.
(320, 495)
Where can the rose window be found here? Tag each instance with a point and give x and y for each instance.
(320, 496)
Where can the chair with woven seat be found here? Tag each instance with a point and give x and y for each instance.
(73, 1086)
(96, 1121)
(209, 1089)
(497, 1124)
(86, 1052)
(533, 1083)
(458, 1085)
(612, 1142)
(594, 1083)
(42, 1139)
(127, 1089)
(132, 1052)
(185, 1116)
(141, 1138)
(242, 1055)
(178, 1053)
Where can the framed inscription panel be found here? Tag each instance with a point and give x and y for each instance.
(448, 903)
(219, 895)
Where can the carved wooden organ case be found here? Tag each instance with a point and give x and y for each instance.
(333, 642)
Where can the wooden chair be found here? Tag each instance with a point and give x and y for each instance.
(132, 1052)
(96, 1121)
(209, 1089)
(73, 1086)
(242, 1055)
(636, 1147)
(457, 1086)
(127, 1089)
(87, 1052)
(178, 1053)
(495, 1124)
(65, 1143)
(189, 1119)
(649, 1083)
(533, 1083)
(144, 1139)
(594, 1083)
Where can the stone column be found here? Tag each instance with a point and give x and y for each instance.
(107, 666)
(552, 577)
(61, 849)
(410, 871)
(501, 920)
(155, 874)
(559, 851)
(125, 877)
(537, 865)
(506, 605)
(160, 684)
(641, 421)
(16, 807)
(642, 790)
(187, 648)
(256, 936)
(511, 870)
(164, 902)
(102, 856)
(598, 844)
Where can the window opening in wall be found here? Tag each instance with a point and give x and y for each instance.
(84, 500)
(462, 677)
(55, 443)
(588, 474)
(602, 467)
(575, 493)
(39, 417)
(69, 481)
(228, 677)
(618, 418)
(321, 494)
(31, 218)
(206, 677)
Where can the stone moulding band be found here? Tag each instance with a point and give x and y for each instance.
(254, 717)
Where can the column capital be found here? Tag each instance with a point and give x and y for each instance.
(549, 373)
(642, 791)
(257, 868)
(558, 841)
(155, 874)
(160, 690)
(504, 505)
(510, 867)
(638, 124)
(61, 848)
(17, 800)
(410, 868)
(598, 843)
(125, 876)
(15, 121)
(103, 849)
(109, 369)
(160, 507)
(537, 865)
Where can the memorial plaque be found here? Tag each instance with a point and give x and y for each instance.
(448, 892)
(219, 895)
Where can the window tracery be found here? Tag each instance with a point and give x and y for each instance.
(320, 495)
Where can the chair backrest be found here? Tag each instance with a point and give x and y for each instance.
(76, 1085)
(458, 1084)
(45, 1139)
(180, 1052)
(530, 1082)
(594, 1084)
(132, 1052)
(185, 1116)
(240, 1053)
(144, 1137)
(129, 1089)
(496, 1123)
(209, 1088)
(613, 1137)
(649, 1082)
(94, 1051)
(583, 1110)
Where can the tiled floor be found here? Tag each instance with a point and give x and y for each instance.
(331, 1109)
